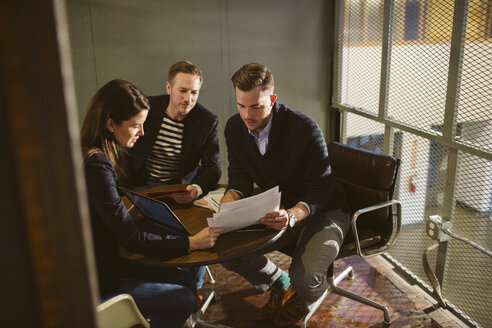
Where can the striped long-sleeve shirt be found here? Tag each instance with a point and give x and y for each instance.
(163, 161)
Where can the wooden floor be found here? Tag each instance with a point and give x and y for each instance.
(238, 303)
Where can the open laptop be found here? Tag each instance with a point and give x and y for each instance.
(158, 217)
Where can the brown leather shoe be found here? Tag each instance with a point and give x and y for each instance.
(290, 315)
(199, 302)
(278, 298)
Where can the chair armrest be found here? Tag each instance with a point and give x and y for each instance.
(394, 235)
(120, 311)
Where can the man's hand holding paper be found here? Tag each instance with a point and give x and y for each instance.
(276, 220)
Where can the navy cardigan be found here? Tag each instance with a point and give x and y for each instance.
(296, 160)
(200, 159)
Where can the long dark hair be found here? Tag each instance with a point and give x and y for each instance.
(119, 100)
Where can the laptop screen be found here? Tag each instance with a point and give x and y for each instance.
(156, 210)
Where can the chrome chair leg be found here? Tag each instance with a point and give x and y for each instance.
(212, 280)
(315, 307)
(333, 288)
(347, 272)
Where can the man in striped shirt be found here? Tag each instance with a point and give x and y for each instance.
(180, 143)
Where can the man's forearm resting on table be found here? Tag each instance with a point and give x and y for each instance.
(230, 196)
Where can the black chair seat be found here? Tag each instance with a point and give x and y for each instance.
(369, 240)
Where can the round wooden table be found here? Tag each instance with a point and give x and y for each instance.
(229, 245)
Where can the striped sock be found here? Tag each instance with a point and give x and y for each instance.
(283, 282)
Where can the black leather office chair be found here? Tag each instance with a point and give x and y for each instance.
(369, 182)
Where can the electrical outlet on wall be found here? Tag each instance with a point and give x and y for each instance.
(435, 226)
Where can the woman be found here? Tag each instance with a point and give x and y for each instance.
(114, 122)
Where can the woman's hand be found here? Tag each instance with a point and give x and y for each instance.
(205, 238)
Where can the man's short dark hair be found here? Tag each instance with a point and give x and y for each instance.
(252, 75)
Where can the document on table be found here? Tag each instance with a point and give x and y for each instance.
(246, 211)
(211, 200)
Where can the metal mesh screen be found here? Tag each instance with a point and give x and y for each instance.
(419, 62)
(475, 104)
(364, 133)
(361, 65)
(442, 173)
(469, 292)
(468, 271)
(468, 279)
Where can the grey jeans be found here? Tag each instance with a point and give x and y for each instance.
(315, 241)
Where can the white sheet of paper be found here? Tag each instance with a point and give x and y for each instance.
(249, 201)
(246, 211)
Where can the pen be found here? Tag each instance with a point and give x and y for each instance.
(215, 202)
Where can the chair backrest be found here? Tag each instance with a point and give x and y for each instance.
(368, 179)
(120, 312)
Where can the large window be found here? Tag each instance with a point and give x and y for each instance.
(413, 81)
(419, 21)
